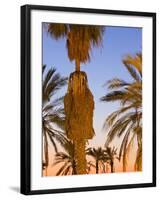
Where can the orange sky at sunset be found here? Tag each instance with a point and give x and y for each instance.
(51, 171)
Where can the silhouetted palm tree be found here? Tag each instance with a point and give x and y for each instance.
(111, 155)
(52, 110)
(66, 159)
(126, 121)
(98, 155)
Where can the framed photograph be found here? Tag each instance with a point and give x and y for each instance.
(88, 99)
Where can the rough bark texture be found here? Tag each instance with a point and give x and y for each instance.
(80, 156)
(79, 106)
(77, 65)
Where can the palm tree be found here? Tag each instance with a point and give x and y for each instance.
(99, 157)
(111, 153)
(79, 39)
(52, 111)
(126, 122)
(78, 102)
(66, 159)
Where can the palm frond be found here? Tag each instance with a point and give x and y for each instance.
(53, 142)
(62, 169)
(52, 109)
(113, 96)
(138, 161)
(117, 130)
(116, 83)
(66, 171)
(80, 39)
(57, 30)
(135, 61)
(43, 68)
(66, 157)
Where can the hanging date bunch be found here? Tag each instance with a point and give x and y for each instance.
(79, 106)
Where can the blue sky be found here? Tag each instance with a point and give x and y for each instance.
(106, 63)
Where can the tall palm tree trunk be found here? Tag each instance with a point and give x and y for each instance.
(77, 69)
(80, 156)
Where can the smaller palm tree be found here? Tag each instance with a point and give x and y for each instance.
(90, 165)
(52, 111)
(99, 157)
(111, 155)
(126, 121)
(66, 159)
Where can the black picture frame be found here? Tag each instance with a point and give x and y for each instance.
(26, 98)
